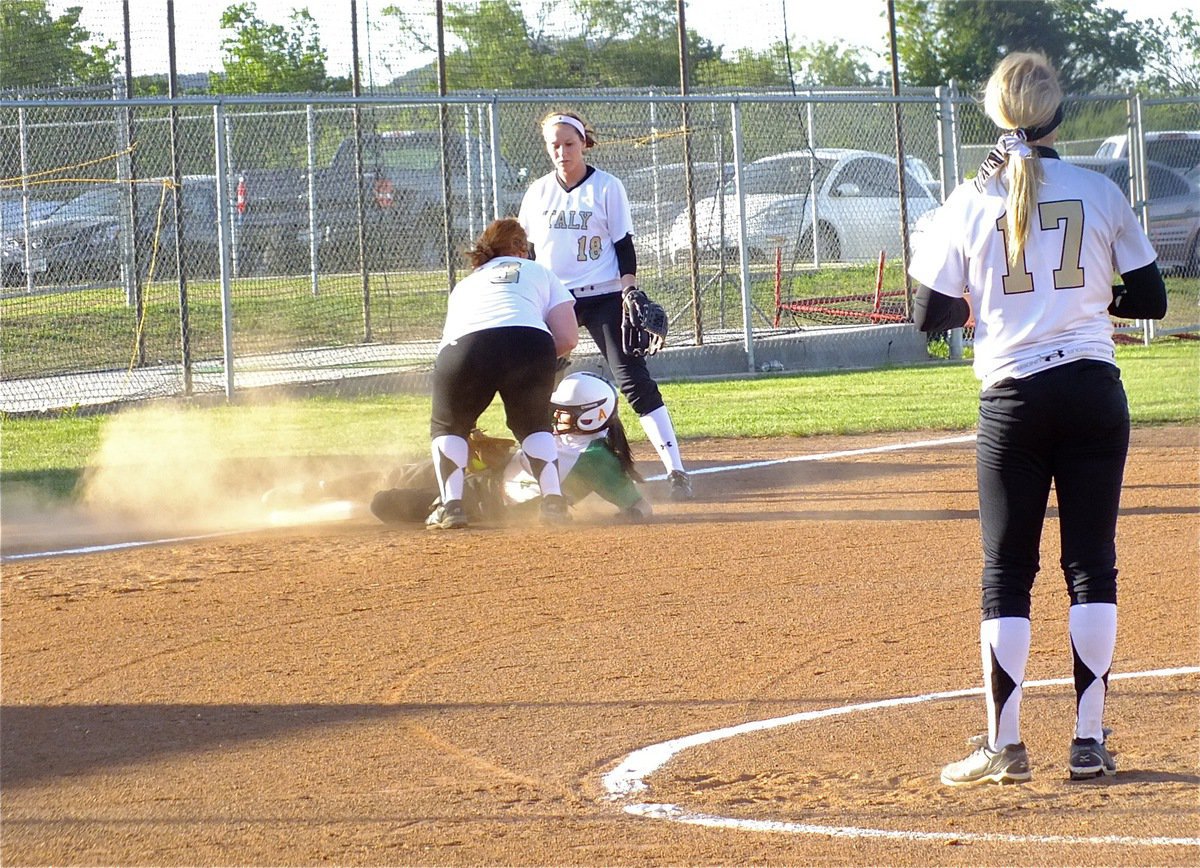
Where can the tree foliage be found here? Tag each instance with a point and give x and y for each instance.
(269, 58)
(833, 65)
(40, 50)
(816, 64)
(613, 43)
(1172, 55)
(941, 40)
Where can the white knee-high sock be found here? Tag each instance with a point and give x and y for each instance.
(541, 456)
(1093, 628)
(1004, 647)
(450, 456)
(661, 433)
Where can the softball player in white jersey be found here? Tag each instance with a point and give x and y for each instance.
(579, 225)
(506, 323)
(1034, 243)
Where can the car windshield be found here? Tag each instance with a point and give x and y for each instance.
(671, 179)
(783, 177)
(94, 203)
(1163, 181)
(1177, 153)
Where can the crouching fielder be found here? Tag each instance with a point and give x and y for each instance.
(1035, 242)
(506, 324)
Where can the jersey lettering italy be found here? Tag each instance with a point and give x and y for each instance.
(572, 231)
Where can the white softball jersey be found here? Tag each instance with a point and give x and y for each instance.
(1053, 307)
(572, 231)
(505, 291)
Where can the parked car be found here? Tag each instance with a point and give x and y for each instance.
(854, 194)
(12, 211)
(1173, 207)
(658, 194)
(80, 241)
(402, 194)
(921, 171)
(1177, 149)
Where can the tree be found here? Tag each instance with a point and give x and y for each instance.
(613, 43)
(270, 58)
(502, 51)
(38, 50)
(748, 68)
(1172, 55)
(819, 64)
(831, 65)
(939, 40)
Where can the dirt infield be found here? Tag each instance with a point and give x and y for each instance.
(355, 694)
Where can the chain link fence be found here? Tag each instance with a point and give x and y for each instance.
(319, 236)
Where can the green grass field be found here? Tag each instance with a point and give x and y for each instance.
(50, 454)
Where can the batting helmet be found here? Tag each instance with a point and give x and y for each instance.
(583, 403)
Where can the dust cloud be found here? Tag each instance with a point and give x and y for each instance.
(169, 472)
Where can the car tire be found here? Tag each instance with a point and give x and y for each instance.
(1192, 267)
(830, 249)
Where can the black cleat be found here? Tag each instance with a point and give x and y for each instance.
(555, 510)
(681, 485)
(448, 517)
(1090, 759)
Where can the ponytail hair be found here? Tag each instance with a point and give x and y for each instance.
(618, 442)
(1023, 98)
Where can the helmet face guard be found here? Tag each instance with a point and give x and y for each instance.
(583, 403)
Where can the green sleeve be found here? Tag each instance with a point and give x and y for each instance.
(598, 470)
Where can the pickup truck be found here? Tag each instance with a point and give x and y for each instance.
(79, 242)
(402, 200)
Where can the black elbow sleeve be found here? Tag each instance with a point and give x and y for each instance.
(626, 255)
(935, 312)
(1143, 295)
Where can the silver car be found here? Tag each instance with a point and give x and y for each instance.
(848, 200)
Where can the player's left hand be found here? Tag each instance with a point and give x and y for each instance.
(643, 323)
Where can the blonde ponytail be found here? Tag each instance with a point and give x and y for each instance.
(1025, 176)
(1024, 99)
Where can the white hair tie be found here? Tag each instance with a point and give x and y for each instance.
(1014, 143)
(565, 119)
(1009, 145)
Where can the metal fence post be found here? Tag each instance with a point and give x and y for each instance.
(813, 205)
(743, 253)
(493, 110)
(224, 243)
(484, 210)
(469, 142)
(310, 118)
(23, 136)
(313, 258)
(943, 110)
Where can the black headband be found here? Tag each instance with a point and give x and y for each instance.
(1032, 134)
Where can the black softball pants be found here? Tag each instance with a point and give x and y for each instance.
(1068, 425)
(518, 362)
(601, 316)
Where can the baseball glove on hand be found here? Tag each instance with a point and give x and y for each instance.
(643, 323)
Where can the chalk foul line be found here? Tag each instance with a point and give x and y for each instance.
(629, 777)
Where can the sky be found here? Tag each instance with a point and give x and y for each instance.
(755, 24)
